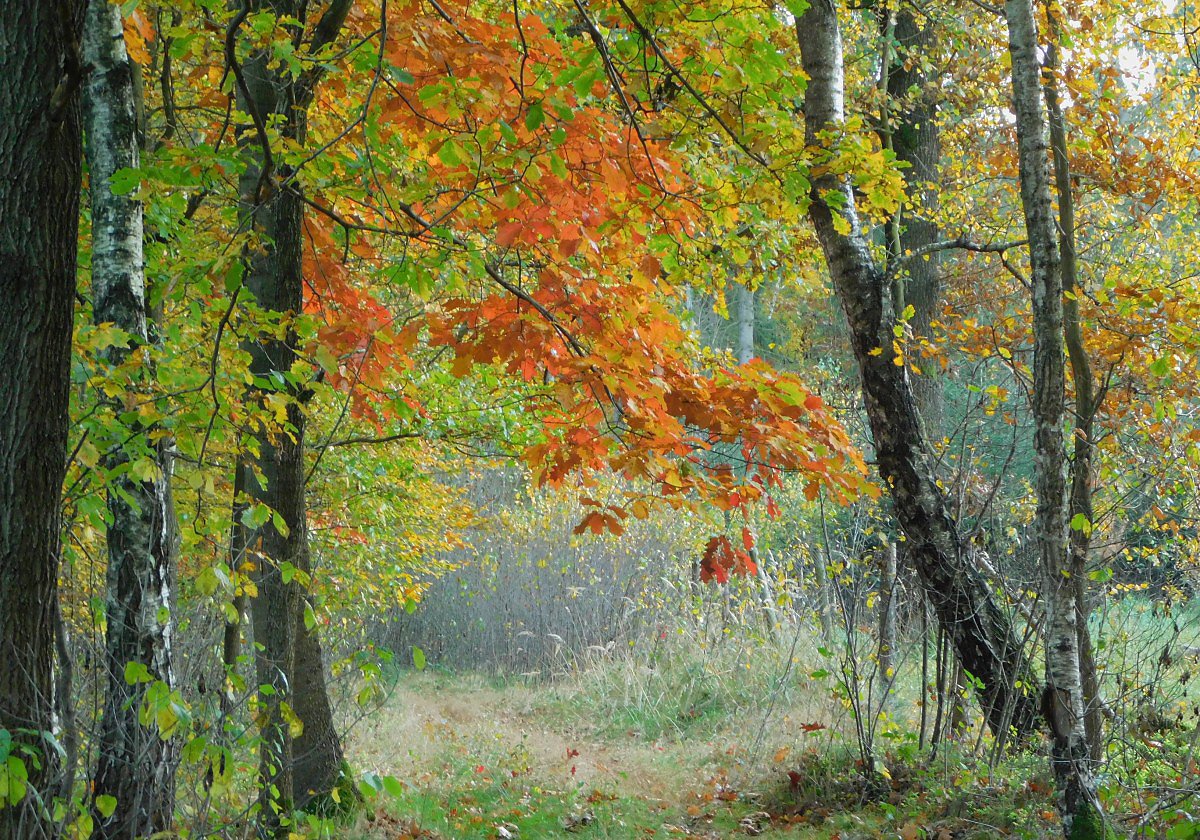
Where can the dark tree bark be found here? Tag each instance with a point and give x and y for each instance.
(275, 478)
(289, 659)
(1062, 699)
(40, 156)
(136, 766)
(318, 758)
(982, 634)
(913, 133)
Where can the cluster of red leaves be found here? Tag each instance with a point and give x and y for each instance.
(359, 343)
(721, 560)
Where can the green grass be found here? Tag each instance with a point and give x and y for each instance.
(696, 752)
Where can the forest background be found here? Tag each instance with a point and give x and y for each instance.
(701, 369)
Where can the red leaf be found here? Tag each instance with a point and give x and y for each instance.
(507, 233)
(772, 508)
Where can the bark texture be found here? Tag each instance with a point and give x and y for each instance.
(289, 659)
(1062, 699)
(982, 634)
(915, 140)
(40, 158)
(135, 765)
(1087, 402)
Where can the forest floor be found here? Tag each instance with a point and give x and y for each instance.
(478, 760)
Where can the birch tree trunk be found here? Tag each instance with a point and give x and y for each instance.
(1062, 703)
(135, 766)
(1087, 401)
(40, 157)
(982, 634)
(745, 297)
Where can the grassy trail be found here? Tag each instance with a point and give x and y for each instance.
(480, 761)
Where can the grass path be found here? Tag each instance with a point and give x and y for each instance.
(477, 762)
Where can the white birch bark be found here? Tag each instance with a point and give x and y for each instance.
(135, 765)
(1062, 703)
(982, 634)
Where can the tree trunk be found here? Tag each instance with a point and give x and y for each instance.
(745, 322)
(319, 760)
(39, 223)
(982, 634)
(887, 617)
(290, 660)
(1062, 702)
(744, 296)
(914, 138)
(1087, 402)
(135, 766)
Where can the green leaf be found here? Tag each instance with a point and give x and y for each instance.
(256, 516)
(370, 785)
(137, 672)
(401, 75)
(145, 470)
(451, 154)
(206, 583)
(233, 276)
(124, 181)
(13, 779)
(1079, 522)
(535, 116)
(280, 525)
(167, 719)
(418, 659)
(106, 805)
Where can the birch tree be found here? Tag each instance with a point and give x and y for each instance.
(1062, 698)
(136, 766)
(982, 634)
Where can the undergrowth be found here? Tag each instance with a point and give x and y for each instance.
(712, 733)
